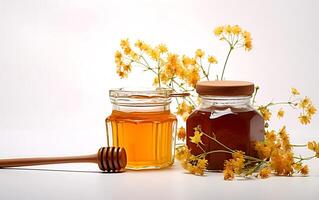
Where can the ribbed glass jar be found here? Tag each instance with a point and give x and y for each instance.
(142, 123)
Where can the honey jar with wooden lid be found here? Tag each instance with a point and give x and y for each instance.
(225, 113)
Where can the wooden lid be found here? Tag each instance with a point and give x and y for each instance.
(225, 88)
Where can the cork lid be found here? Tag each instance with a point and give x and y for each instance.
(225, 88)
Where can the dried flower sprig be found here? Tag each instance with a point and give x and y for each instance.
(181, 73)
(275, 156)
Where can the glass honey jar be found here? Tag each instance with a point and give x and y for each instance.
(142, 123)
(226, 114)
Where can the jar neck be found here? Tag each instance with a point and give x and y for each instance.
(222, 101)
(146, 108)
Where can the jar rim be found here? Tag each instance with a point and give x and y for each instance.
(140, 96)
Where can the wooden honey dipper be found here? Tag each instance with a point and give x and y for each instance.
(110, 159)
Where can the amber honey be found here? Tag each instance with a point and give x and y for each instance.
(227, 115)
(238, 130)
(143, 124)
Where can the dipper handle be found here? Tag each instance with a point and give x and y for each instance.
(110, 159)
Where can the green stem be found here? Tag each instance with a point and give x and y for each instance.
(298, 145)
(203, 70)
(230, 50)
(306, 158)
(255, 94)
(214, 139)
(158, 74)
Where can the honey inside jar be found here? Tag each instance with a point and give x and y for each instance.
(226, 114)
(144, 126)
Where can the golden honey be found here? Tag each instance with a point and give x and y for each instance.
(145, 127)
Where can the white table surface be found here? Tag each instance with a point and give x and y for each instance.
(84, 181)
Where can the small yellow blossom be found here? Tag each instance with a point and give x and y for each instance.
(124, 43)
(248, 45)
(265, 172)
(297, 166)
(304, 102)
(294, 91)
(304, 119)
(228, 29)
(182, 153)
(162, 48)
(304, 170)
(280, 113)
(265, 112)
(118, 55)
(197, 138)
(311, 110)
(199, 53)
(181, 133)
(212, 60)
(127, 67)
(218, 30)
(228, 174)
(284, 139)
(184, 108)
(314, 146)
(236, 29)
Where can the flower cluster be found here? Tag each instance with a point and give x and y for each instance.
(193, 164)
(307, 109)
(235, 36)
(182, 72)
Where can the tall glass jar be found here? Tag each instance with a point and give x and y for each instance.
(226, 114)
(142, 123)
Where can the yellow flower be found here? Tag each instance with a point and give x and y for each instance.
(236, 30)
(248, 45)
(284, 139)
(228, 29)
(181, 133)
(280, 113)
(124, 43)
(184, 108)
(118, 55)
(162, 48)
(121, 74)
(238, 155)
(304, 119)
(270, 136)
(212, 59)
(294, 91)
(304, 102)
(218, 30)
(228, 174)
(297, 166)
(139, 44)
(154, 54)
(193, 76)
(199, 53)
(311, 110)
(281, 162)
(182, 153)
(246, 35)
(127, 67)
(197, 138)
(265, 172)
(304, 170)
(155, 81)
(314, 146)
(265, 112)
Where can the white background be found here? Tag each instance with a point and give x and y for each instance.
(56, 61)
